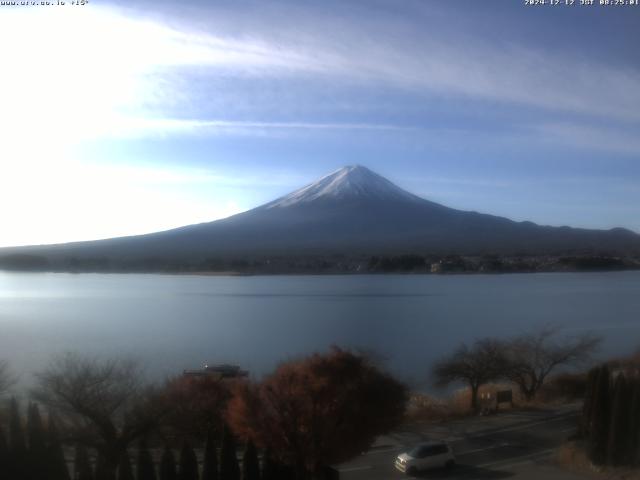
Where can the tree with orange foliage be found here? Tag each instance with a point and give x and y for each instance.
(318, 411)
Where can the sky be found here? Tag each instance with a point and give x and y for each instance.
(120, 118)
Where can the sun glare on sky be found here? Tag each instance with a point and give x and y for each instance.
(75, 75)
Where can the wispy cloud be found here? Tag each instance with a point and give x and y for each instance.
(586, 136)
(425, 59)
(128, 72)
(127, 126)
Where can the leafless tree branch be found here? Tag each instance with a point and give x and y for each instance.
(532, 357)
(476, 365)
(102, 402)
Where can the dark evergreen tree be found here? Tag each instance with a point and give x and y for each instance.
(125, 472)
(4, 454)
(600, 417)
(273, 469)
(188, 463)
(82, 465)
(587, 408)
(210, 466)
(168, 465)
(269, 467)
(18, 455)
(619, 434)
(286, 472)
(229, 468)
(103, 469)
(250, 464)
(56, 462)
(38, 454)
(145, 468)
(634, 421)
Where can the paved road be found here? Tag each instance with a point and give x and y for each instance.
(511, 444)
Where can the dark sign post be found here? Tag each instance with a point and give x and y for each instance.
(487, 403)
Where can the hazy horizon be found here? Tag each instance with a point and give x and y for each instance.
(136, 119)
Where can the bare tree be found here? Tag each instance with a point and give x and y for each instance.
(102, 402)
(476, 365)
(6, 378)
(532, 357)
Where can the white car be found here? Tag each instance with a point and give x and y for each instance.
(426, 456)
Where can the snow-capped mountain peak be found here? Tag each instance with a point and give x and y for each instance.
(350, 182)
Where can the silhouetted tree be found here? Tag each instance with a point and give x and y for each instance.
(274, 470)
(250, 463)
(634, 421)
(287, 472)
(102, 402)
(619, 435)
(82, 466)
(103, 470)
(56, 463)
(4, 455)
(125, 472)
(587, 406)
(168, 469)
(210, 464)
(599, 433)
(317, 411)
(18, 455)
(269, 467)
(188, 463)
(532, 357)
(38, 458)
(145, 468)
(477, 365)
(229, 469)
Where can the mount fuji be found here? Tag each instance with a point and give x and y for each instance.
(352, 211)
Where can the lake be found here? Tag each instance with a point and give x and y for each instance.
(172, 322)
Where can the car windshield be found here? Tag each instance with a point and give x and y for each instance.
(421, 450)
(415, 452)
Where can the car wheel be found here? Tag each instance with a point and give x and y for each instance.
(450, 464)
(412, 471)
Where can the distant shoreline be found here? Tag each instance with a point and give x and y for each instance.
(210, 274)
(312, 273)
(323, 274)
(325, 264)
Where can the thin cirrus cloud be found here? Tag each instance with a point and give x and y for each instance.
(459, 68)
(143, 126)
(399, 55)
(129, 75)
(587, 136)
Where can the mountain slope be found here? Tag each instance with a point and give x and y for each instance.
(351, 211)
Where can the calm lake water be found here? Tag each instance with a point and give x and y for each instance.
(175, 322)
